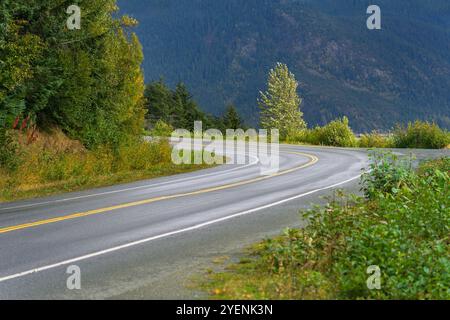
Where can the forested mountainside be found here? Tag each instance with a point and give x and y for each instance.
(223, 50)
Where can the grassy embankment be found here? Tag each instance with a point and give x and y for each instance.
(50, 163)
(401, 225)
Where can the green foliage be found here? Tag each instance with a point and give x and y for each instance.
(387, 175)
(88, 82)
(174, 107)
(374, 140)
(178, 109)
(280, 104)
(231, 118)
(18, 52)
(9, 150)
(428, 167)
(405, 234)
(135, 154)
(421, 135)
(337, 133)
(160, 103)
(161, 129)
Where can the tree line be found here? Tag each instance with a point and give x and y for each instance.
(177, 109)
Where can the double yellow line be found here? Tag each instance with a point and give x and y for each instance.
(313, 160)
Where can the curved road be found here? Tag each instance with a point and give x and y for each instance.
(147, 239)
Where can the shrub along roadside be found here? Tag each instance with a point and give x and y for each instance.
(421, 135)
(375, 140)
(337, 133)
(402, 226)
(8, 150)
(52, 163)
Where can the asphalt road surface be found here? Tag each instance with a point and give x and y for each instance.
(152, 239)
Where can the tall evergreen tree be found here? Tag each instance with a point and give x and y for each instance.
(159, 102)
(231, 118)
(280, 104)
(190, 111)
(175, 107)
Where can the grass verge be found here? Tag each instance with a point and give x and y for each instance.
(53, 164)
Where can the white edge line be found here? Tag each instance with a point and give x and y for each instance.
(171, 233)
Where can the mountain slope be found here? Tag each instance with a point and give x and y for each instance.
(223, 50)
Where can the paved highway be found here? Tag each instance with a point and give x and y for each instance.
(148, 239)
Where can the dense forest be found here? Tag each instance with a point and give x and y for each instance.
(223, 50)
(86, 81)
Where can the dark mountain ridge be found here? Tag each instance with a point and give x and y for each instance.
(223, 51)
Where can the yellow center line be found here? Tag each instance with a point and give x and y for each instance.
(313, 160)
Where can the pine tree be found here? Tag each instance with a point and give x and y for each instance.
(159, 102)
(175, 107)
(231, 118)
(187, 108)
(280, 104)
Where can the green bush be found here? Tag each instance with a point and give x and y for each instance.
(407, 236)
(9, 151)
(374, 140)
(161, 129)
(387, 174)
(337, 133)
(421, 135)
(428, 167)
(301, 136)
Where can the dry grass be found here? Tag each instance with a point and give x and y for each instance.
(52, 163)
